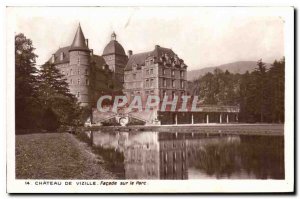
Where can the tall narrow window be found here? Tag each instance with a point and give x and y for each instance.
(151, 71)
(86, 71)
(78, 94)
(78, 71)
(173, 72)
(152, 82)
(78, 81)
(71, 72)
(182, 84)
(181, 74)
(164, 82)
(87, 81)
(71, 81)
(173, 83)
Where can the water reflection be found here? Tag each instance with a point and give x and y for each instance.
(162, 155)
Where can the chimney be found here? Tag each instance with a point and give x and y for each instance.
(53, 58)
(87, 42)
(129, 53)
(157, 46)
(92, 52)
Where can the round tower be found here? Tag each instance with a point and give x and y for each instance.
(79, 66)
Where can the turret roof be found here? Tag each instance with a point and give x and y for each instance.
(79, 41)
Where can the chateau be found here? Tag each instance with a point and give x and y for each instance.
(157, 72)
(160, 72)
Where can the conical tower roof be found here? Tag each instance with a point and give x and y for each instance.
(79, 41)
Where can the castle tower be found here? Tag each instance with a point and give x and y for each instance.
(115, 57)
(79, 67)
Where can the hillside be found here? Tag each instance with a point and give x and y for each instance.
(235, 67)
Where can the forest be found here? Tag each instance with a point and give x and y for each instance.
(259, 93)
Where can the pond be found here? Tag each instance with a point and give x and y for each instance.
(165, 155)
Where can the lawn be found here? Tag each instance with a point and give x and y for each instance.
(56, 156)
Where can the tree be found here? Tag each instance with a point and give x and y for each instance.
(26, 103)
(56, 97)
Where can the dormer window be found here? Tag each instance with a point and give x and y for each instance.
(62, 56)
(53, 58)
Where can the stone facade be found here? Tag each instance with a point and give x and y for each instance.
(87, 74)
(159, 72)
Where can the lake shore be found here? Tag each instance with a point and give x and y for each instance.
(235, 129)
(56, 156)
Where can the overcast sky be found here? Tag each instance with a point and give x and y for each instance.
(202, 37)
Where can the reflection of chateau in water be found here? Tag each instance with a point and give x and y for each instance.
(162, 155)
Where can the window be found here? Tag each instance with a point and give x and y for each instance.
(78, 94)
(147, 82)
(164, 71)
(134, 76)
(87, 81)
(181, 74)
(182, 84)
(173, 94)
(151, 71)
(173, 72)
(78, 60)
(71, 72)
(152, 82)
(164, 82)
(63, 72)
(173, 83)
(78, 81)
(78, 71)
(174, 156)
(71, 81)
(86, 71)
(147, 72)
(62, 56)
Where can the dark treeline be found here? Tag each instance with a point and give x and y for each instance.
(42, 97)
(260, 94)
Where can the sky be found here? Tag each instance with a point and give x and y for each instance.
(201, 36)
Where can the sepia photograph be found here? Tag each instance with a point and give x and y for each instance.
(150, 99)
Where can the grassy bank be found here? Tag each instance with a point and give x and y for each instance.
(56, 156)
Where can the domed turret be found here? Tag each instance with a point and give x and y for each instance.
(115, 57)
(113, 47)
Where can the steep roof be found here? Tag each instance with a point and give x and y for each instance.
(79, 41)
(99, 61)
(57, 55)
(140, 58)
